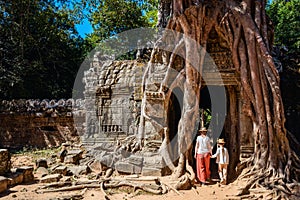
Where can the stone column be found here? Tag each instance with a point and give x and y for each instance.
(5, 163)
(246, 134)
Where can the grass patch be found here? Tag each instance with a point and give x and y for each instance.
(37, 153)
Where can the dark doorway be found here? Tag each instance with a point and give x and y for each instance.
(213, 120)
(174, 115)
(205, 102)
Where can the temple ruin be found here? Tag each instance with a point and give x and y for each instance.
(111, 108)
(115, 89)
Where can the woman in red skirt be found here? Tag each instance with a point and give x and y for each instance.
(203, 152)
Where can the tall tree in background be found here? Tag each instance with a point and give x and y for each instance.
(285, 16)
(246, 28)
(115, 16)
(40, 50)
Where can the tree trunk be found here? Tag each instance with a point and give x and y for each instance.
(245, 27)
(164, 12)
(232, 137)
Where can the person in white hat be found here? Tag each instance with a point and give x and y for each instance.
(222, 160)
(203, 152)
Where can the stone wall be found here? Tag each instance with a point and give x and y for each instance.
(37, 124)
(113, 98)
(113, 94)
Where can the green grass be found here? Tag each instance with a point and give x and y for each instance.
(37, 153)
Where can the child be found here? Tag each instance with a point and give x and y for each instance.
(222, 160)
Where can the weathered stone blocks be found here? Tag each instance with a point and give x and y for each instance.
(4, 161)
(73, 156)
(27, 172)
(51, 178)
(136, 160)
(42, 162)
(3, 184)
(15, 179)
(149, 171)
(62, 154)
(153, 165)
(78, 170)
(130, 165)
(41, 172)
(153, 161)
(60, 170)
(127, 168)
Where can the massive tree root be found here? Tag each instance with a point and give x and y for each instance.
(152, 185)
(262, 101)
(246, 28)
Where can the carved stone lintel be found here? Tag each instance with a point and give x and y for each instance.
(155, 95)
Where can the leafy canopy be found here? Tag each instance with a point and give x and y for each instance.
(40, 50)
(115, 16)
(286, 18)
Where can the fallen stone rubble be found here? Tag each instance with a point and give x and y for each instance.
(75, 168)
(10, 177)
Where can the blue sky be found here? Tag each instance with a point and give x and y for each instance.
(84, 28)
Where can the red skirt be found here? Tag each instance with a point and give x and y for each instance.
(202, 165)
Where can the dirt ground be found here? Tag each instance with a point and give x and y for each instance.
(27, 192)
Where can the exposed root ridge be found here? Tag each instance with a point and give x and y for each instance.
(268, 185)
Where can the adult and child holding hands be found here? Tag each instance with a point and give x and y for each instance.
(203, 153)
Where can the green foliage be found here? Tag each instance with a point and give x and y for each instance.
(113, 17)
(207, 117)
(286, 18)
(87, 8)
(110, 17)
(40, 50)
(150, 8)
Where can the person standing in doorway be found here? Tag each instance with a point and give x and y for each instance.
(203, 152)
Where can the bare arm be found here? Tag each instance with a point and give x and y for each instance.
(209, 147)
(196, 148)
(216, 154)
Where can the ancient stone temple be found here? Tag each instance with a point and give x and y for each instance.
(113, 105)
(113, 95)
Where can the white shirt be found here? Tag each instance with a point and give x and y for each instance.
(222, 156)
(203, 144)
